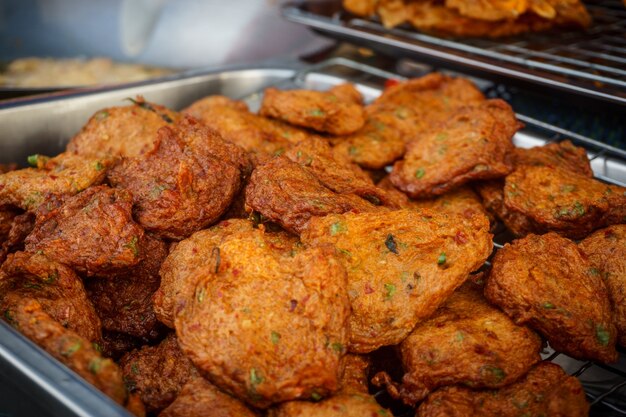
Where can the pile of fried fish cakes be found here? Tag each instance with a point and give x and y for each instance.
(216, 261)
(475, 18)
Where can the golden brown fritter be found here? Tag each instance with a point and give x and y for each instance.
(157, 374)
(290, 195)
(7, 215)
(56, 288)
(127, 131)
(489, 9)
(326, 112)
(92, 232)
(115, 345)
(606, 250)
(258, 135)
(472, 144)
(124, 301)
(402, 265)
(337, 172)
(352, 400)
(28, 316)
(562, 201)
(199, 398)
(185, 183)
(402, 113)
(466, 342)
(461, 201)
(548, 283)
(545, 391)
(197, 254)
(20, 228)
(65, 174)
(562, 154)
(266, 334)
(431, 17)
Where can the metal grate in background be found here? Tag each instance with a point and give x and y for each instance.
(605, 385)
(590, 63)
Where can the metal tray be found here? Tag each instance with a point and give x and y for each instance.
(591, 64)
(45, 124)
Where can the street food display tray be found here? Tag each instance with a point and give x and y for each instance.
(45, 124)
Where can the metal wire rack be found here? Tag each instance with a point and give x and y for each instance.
(605, 385)
(590, 63)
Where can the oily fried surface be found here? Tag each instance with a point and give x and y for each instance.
(157, 373)
(185, 183)
(124, 301)
(288, 194)
(323, 111)
(548, 283)
(489, 9)
(92, 232)
(402, 113)
(466, 342)
(20, 228)
(461, 201)
(199, 397)
(337, 172)
(352, 400)
(354, 404)
(28, 316)
(127, 131)
(472, 144)
(198, 254)
(545, 390)
(562, 154)
(401, 266)
(57, 289)
(115, 345)
(65, 174)
(7, 215)
(258, 135)
(606, 250)
(267, 334)
(559, 200)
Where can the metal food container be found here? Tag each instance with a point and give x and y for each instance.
(45, 124)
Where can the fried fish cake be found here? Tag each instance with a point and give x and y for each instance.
(20, 228)
(473, 144)
(337, 172)
(157, 374)
(124, 301)
(492, 10)
(546, 390)
(185, 183)
(58, 290)
(461, 201)
(126, 131)
(199, 397)
(198, 254)
(352, 400)
(562, 154)
(288, 194)
(28, 316)
(402, 113)
(7, 215)
(548, 283)
(323, 111)
(432, 17)
(606, 250)
(65, 174)
(92, 232)
(271, 330)
(402, 265)
(466, 342)
(562, 201)
(258, 135)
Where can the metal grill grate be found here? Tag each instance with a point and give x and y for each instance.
(605, 385)
(590, 63)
